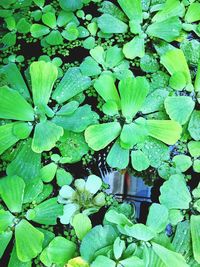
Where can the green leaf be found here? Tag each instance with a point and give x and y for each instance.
(100, 237)
(68, 108)
(12, 192)
(134, 48)
(195, 232)
(26, 164)
(68, 213)
(197, 80)
(193, 13)
(15, 262)
(43, 76)
(100, 135)
(38, 30)
(182, 162)
(194, 148)
(113, 56)
(196, 165)
(132, 134)
(118, 157)
(5, 238)
(39, 3)
(132, 261)
(93, 184)
(14, 106)
(133, 92)
(54, 38)
(109, 24)
(167, 30)
(105, 87)
(6, 220)
(157, 218)
(174, 61)
(90, 67)
(133, 9)
(140, 232)
(149, 63)
(23, 26)
(166, 131)
(110, 108)
(15, 79)
(98, 54)
(139, 161)
(170, 9)
(48, 172)
(22, 130)
(77, 121)
(49, 19)
(117, 218)
(118, 248)
(71, 85)
(77, 262)
(174, 193)
(178, 81)
(63, 177)
(9, 39)
(169, 257)
(82, 225)
(70, 5)
(103, 261)
(194, 125)
(46, 213)
(52, 135)
(34, 187)
(71, 32)
(28, 241)
(179, 108)
(60, 251)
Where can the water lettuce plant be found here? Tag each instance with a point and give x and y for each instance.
(95, 92)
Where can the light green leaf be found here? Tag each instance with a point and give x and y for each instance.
(49, 19)
(68, 213)
(12, 192)
(118, 157)
(34, 187)
(113, 56)
(194, 148)
(167, 30)
(52, 135)
(196, 165)
(105, 87)
(182, 162)
(71, 32)
(109, 24)
(195, 232)
(134, 48)
(70, 5)
(166, 131)
(174, 193)
(117, 218)
(38, 30)
(174, 61)
(132, 261)
(103, 261)
(46, 213)
(90, 67)
(9, 39)
(48, 172)
(28, 241)
(100, 237)
(194, 125)
(82, 225)
(110, 108)
(63, 177)
(133, 9)
(14, 106)
(139, 161)
(157, 218)
(178, 81)
(179, 108)
(43, 75)
(193, 13)
(118, 248)
(5, 238)
(77, 121)
(68, 108)
(26, 164)
(197, 80)
(15, 79)
(6, 220)
(93, 184)
(100, 135)
(71, 85)
(60, 251)
(98, 54)
(140, 232)
(169, 257)
(133, 92)
(54, 38)
(15, 262)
